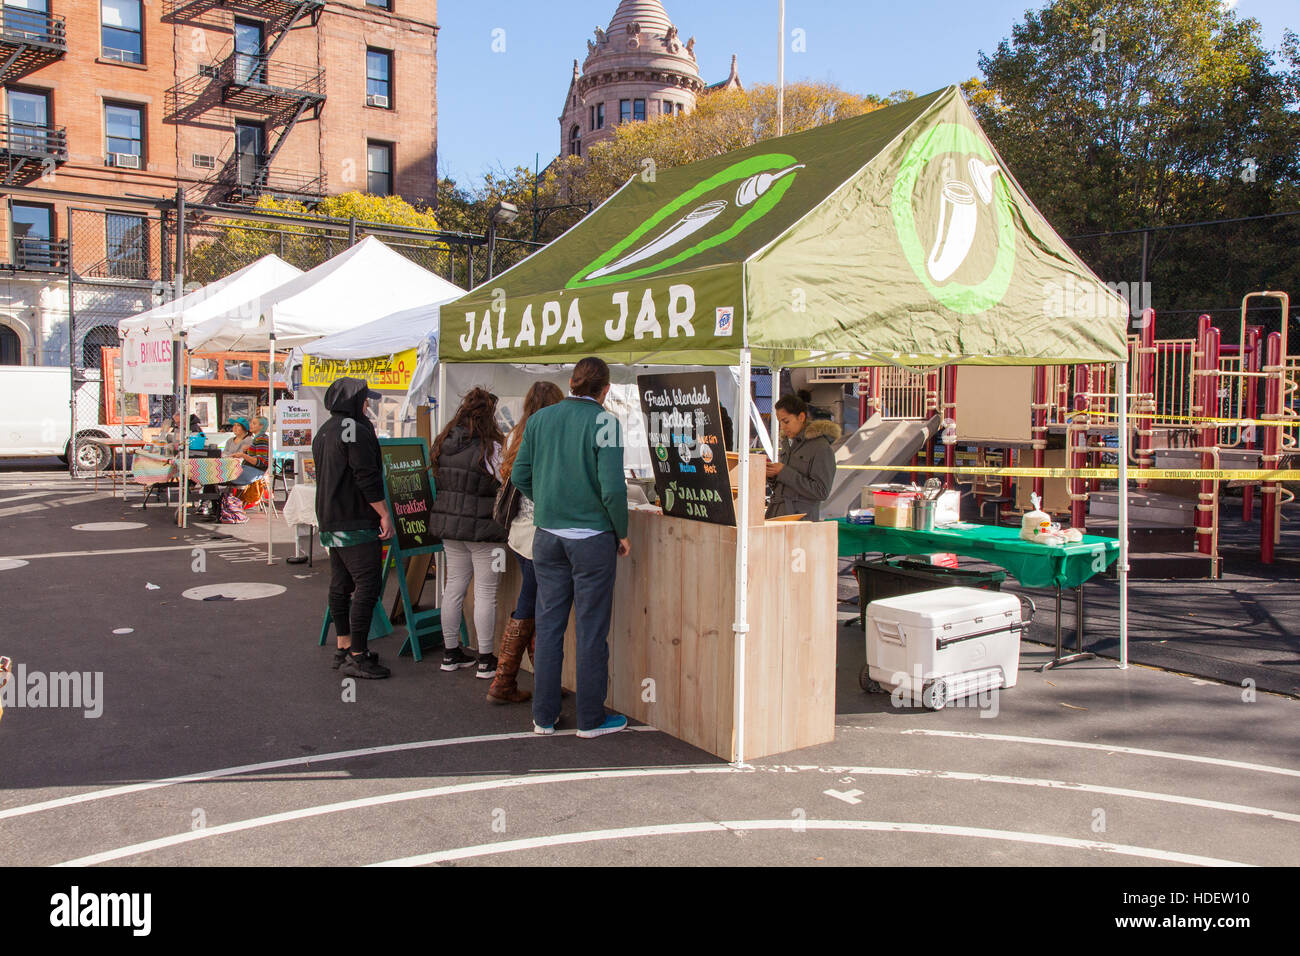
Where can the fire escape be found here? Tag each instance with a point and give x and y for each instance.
(281, 93)
(29, 39)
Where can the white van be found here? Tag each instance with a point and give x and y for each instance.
(36, 415)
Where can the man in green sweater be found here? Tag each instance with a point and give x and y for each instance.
(570, 463)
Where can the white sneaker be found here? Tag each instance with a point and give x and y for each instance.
(544, 731)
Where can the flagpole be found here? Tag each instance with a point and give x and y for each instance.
(780, 71)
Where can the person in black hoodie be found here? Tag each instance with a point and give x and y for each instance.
(353, 519)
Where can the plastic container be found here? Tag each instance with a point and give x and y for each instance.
(942, 645)
(893, 509)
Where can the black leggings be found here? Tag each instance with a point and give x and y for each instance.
(354, 590)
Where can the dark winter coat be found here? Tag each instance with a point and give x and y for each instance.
(349, 473)
(464, 492)
(805, 481)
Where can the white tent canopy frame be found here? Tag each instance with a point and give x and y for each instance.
(189, 310)
(365, 282)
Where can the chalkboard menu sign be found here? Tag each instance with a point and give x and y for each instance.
(684, 430)
(408, 492)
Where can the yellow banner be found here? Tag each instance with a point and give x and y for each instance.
(384, 373)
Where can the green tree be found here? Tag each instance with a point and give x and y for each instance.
(1120, 114)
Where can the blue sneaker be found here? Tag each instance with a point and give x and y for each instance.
(612, 725)
(544, 731)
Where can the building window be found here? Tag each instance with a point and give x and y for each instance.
(625, 111)
(379, 169)
(121, 36)
(124, 126)
(250, 66)
(575, 140)
(379, 70)
(11, 352)
(29, 118)
(598, 116)
(638, 110)
(668, 108)
(126, 238)
(33, 234)
(100, 337)
(380, 4)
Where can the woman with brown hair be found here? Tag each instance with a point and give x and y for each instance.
(519, 630)
(465, 464)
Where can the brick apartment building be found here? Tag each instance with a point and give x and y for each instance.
(226, 100)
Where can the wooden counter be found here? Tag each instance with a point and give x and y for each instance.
(671, 640)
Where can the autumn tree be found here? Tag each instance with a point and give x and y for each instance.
(1121, 114)
(220, 247)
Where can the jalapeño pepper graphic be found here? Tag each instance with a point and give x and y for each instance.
(752, 188)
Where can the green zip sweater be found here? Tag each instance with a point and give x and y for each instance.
(570, 463)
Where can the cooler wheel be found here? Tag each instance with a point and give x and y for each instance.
(935, 695)
(866, 682)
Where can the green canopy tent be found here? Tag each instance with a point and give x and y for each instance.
(894, 238)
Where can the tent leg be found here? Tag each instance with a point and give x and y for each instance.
(270, 438)
(1122, 570)
(740, 626)
(772, 429)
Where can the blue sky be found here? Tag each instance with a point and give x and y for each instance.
(501, 108)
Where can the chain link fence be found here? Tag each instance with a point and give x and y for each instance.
(117, 262)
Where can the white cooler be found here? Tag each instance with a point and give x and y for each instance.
(943, 645)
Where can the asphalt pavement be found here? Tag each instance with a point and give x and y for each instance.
(222, 736)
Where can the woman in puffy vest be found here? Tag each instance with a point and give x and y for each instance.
(466, 468)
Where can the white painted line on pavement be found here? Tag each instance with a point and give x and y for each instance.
(725, 826)
(641, 772)
(377, 801)
(210, 546)
(91, 795)
(1107, 748)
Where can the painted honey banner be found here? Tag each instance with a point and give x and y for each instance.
(384, 373)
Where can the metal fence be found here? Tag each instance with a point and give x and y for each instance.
(104, 263)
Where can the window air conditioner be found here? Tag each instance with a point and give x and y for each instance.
(374, 99)
(124, 160)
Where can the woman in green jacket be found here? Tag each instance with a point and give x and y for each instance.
(802, 481)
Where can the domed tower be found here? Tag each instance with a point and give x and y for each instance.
(636, 69)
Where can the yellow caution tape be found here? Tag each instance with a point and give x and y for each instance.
(1159, 419)
(1134, 474)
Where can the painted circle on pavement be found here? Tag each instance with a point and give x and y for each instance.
(8, 564)
(235, 591)
(109, 526)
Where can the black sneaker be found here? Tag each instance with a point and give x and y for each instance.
(455, 658)
(487, 666)
(364, 666)
(341, 654)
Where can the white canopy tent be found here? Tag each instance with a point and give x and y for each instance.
(367, 282)
(215, 298)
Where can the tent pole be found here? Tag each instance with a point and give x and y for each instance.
(121, 401)
(1121, 387)
(183, 429)
(772, 431)
(740, 626)
(270, 438)
(780, 70)
(440, 575)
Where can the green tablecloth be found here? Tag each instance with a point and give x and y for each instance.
(1033, 565)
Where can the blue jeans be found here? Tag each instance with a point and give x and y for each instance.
(526, 605)
(578, 574)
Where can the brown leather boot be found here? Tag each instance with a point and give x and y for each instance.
(504, 690)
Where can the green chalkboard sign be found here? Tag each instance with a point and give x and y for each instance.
(409, 492)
